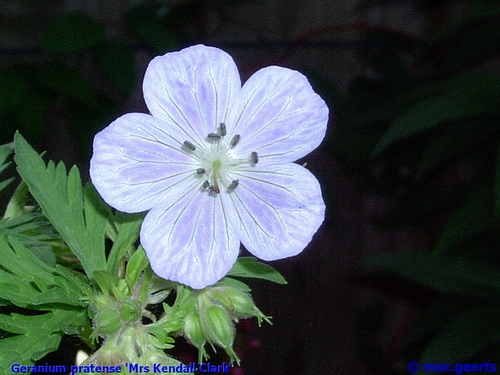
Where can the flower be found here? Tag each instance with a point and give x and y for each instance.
(213, 164)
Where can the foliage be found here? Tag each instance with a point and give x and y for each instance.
(58, 277)
(428, 127)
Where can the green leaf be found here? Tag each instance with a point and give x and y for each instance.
(62, 201)
(474, 217)
(250, 267)
(36, 336)
(472, 331)
(468, 95)
(136, 264)
(447, 274)
(73, 32)
(5, 152)
(29, 282)
(126, 228)
(118, 64)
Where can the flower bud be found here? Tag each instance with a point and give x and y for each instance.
(106, 322)
(218, 329)
(193, 332)
(237, 302)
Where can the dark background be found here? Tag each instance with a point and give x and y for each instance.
(408, 167)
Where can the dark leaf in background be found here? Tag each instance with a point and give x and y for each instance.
(68, 82)
(117, 61)
(448, 274)
(74, 32)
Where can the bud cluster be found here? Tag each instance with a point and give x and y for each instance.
(110, 315)
(212, 320)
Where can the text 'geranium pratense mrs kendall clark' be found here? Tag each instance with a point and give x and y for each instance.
(213, 164)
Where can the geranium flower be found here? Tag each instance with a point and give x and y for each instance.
(213, 164)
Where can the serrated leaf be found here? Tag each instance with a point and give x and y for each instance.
(250, 267)
(28, 282)
(36, 336)
(73, 32)
(447, 274)
(60, 199)
(118, 64)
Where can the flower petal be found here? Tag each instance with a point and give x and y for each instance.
(136, 164)
(192, 88)
(191, 241)
(279, 209)
(279, 116)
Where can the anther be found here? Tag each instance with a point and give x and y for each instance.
(214, 189)
(255, 157)
(223, 130)
(205, 184)
(213, 136)
(234, 141)
(200, 171)
(189, 145)
(233, 184)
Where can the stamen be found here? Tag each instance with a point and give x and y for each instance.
(205, 184)
(200, 171)
(189, 145)
(255, 157)
(214, 189)
(223, 130)
(213, 136)
(235, 140)
(233, 184)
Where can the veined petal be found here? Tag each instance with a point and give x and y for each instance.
(136, 164)
(278, 115)
(279, 209)
(191, 240)
(193, 89)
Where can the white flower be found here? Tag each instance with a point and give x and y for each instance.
(213, 164)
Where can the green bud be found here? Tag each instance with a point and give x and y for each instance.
(194, 334)
(130, 311)
(106, 322)
(237, 302)
(218, 329)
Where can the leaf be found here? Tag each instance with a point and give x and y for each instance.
(62, 201)
(118, 64)
(136, 264)
(74, 32)
(472, 331)
(250, 267)
(474, 217)
(5, 152)
(29, 282)
(36, 336)
(127, 231)
(447, 274)
(467, 95)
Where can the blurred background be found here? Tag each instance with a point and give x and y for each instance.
(406, 265)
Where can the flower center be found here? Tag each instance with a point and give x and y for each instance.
(216, 163)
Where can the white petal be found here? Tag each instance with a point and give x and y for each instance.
(191, 240)
(192, 88)
(279, 210)
(279, 116)
(136, 164)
